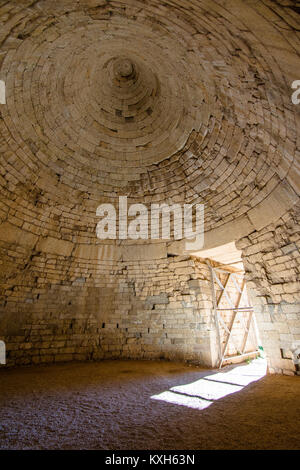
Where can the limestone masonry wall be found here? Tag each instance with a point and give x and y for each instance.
(60, 309)
(272, 263)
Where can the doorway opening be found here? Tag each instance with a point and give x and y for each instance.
(237, 333)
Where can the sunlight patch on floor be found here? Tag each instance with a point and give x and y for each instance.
(203, 392)
(179, 399)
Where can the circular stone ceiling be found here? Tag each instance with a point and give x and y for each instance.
(166, 102)
(84, 112)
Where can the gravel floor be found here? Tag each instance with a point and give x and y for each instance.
(129, 405)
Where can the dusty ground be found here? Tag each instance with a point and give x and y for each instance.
(108, 405)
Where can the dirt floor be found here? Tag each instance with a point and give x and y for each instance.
(129, 405)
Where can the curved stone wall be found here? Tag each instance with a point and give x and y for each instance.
(174, 102)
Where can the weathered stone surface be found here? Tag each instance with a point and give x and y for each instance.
(84, 318)
(273, 207)
(57, 247)
(272, 268)
(15, 235)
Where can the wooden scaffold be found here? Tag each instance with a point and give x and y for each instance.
(235, 313)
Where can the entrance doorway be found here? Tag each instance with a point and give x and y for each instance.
(237, 332)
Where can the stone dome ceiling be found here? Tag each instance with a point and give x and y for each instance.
(167, 102)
